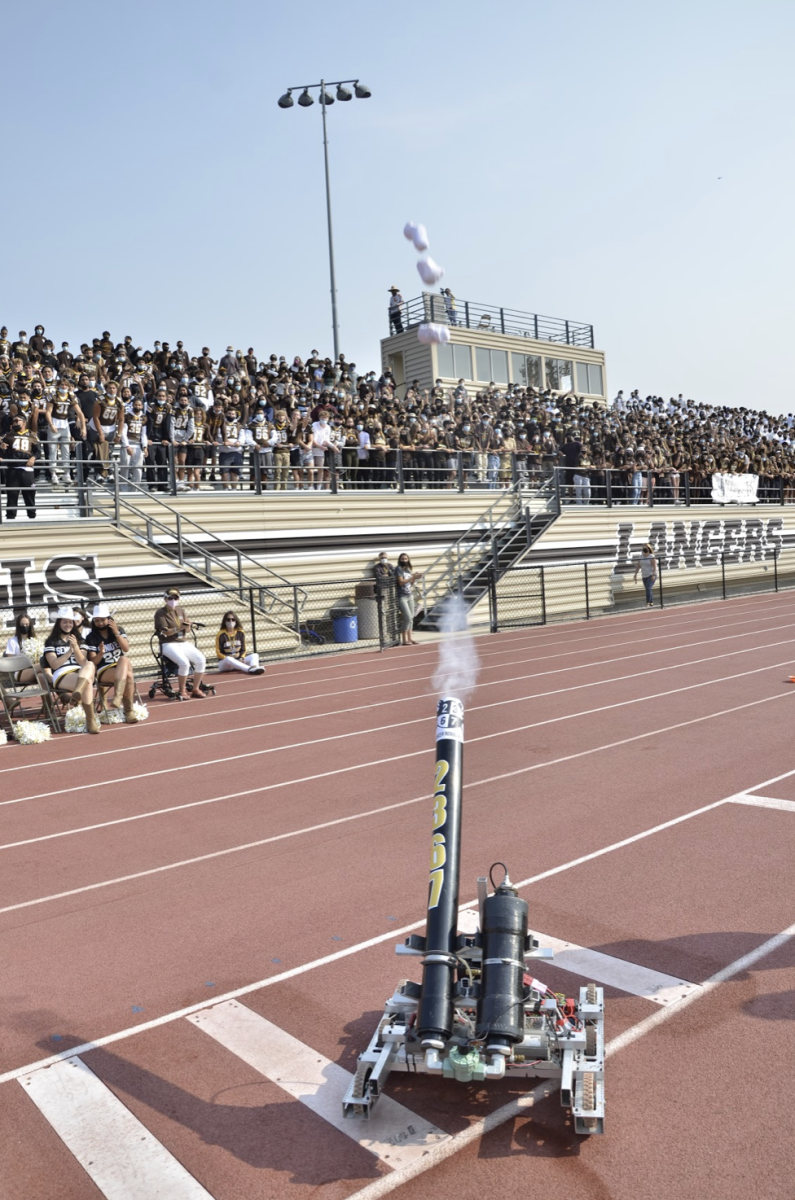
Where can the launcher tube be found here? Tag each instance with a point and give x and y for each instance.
(435, 1016)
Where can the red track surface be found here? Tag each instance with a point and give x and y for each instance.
(170, 864)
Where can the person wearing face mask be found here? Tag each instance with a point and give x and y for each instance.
(321, 448)
(230, 646)
(173, 628)
(281, 440)
(19, 448)
(181, 431)
(62, 408)
(157, 429)
(24, 628)
(134, 444)
(405, 578)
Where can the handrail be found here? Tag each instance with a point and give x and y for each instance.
(243, 581)
(207, 532)
(469, 544)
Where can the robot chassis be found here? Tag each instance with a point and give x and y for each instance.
(478, 1015)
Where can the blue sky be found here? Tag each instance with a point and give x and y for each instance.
(565, 159)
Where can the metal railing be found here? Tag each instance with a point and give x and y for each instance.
(491, 318)
(500, 535)
(542, 593)
(193, 553)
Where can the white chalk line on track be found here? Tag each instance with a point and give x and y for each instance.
(645, 654)
(316, 741)
(520, 1106)
(374, 812)
(346, 952)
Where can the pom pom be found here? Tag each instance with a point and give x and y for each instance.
(431, 332)
(31, 733)
(3, 737)
(33, 648)
(112, 716)
(75, 720)
(430, 272)
(141, 712)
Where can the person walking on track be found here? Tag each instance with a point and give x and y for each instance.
(647, 565)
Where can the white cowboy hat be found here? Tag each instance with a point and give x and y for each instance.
(100, 610)
(65, 614)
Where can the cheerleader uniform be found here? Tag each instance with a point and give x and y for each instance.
(113, 651)
(231, 651)
(58, 644)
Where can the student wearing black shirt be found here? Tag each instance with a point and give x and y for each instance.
(72, 672)
(107, 648)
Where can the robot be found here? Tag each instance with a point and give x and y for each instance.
(478, 1013)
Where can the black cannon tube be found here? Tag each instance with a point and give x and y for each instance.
(435, 1015)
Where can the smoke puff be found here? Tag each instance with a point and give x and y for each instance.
(430, 332)
(457, 671)
(430, 271)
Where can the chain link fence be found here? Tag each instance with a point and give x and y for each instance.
(329, 617)
(538, 594)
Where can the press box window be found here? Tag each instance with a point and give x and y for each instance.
(526, 370)
(589, 379)
(454, 361)
(491, 365)
(559, 374)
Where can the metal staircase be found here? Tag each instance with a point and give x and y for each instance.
(497, 540)
(202, 553)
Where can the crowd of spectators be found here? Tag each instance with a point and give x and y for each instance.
(168, 416)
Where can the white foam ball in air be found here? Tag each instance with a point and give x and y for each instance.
(430, 272)
(420, 238)
(409, 231)
(431, 332)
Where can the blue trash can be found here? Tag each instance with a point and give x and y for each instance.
(346, 625)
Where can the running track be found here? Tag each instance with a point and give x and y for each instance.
(198, 917)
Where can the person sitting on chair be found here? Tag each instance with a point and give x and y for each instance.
(230, 646)
(24, 628)
(72, 672)
(172, 627)
(107, 648)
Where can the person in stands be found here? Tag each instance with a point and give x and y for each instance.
(107, 648)
(72, 673)
(173, 628)
(230, 646)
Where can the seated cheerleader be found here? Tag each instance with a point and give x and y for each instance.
(107, 648)
(24, 628)
(72, 672)
(230, 646)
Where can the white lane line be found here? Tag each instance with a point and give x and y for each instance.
(47, 837)
(602, 968)
(336, 737)
(617, 972)
(90, 887)
(519, 1106)
(214, 711)
(645, 655)
(125, 1161)
(395, 1135)
(346, 952)
(765, 802)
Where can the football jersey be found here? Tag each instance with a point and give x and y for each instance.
(113, 650)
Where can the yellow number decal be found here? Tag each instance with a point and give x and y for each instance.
(437, 879)
(442, 768)
(438, 852)
(439, 811)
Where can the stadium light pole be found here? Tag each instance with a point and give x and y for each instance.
(305, 100)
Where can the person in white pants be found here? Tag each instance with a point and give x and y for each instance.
(230, 646)
(172, 627)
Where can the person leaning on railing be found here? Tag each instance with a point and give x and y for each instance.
(173, 628)
(19, 449)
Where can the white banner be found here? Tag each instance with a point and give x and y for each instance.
(734, 489)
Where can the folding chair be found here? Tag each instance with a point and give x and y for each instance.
(13, 694)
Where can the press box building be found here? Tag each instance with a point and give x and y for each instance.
(490, 344)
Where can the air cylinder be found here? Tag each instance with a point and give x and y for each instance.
(501, 1004)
